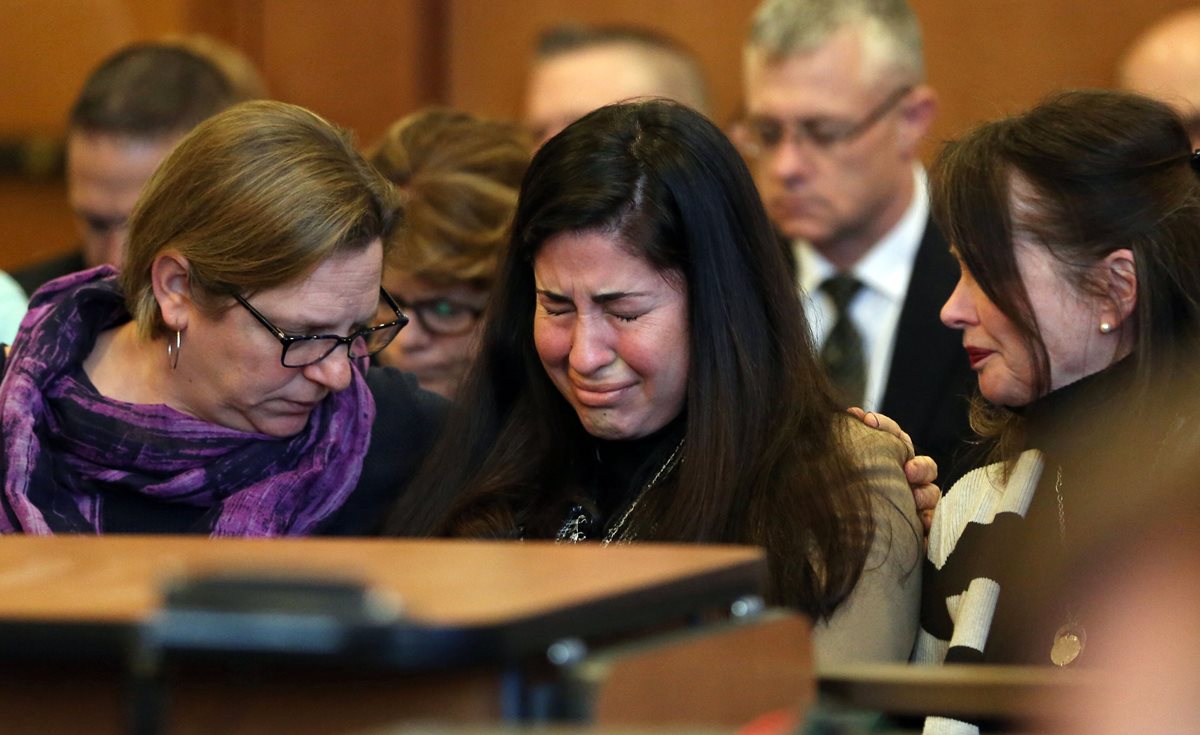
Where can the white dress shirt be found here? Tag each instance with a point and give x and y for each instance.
(12, 307)
(884, 273)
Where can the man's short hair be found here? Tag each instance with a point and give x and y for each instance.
(675, 64)
(891, 32)
(150, 91)
(238, 69)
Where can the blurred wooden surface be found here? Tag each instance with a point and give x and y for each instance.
(364, 63)
(482, 612)
(1008, 693)
(738, 671)
(459, 583)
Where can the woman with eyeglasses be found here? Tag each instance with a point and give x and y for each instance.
(219, 383)
(459, 175)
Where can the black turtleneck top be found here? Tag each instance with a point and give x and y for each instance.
(613, 474)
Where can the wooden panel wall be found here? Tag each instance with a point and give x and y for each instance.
(993, 57)
(986, 57)
(364, 63)
(46, 50)
(361, 63)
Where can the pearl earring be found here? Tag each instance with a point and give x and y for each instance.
(1105, 327)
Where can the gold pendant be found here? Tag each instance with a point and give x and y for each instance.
(1069, 641)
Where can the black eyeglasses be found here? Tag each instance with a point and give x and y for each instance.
(302, 350)
(763, 134)
(445, 317)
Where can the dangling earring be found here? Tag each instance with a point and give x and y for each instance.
(173, 350)
(1105, 327)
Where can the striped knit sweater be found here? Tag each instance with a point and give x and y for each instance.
(980, 497)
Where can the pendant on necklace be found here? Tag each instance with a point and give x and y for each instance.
(1070, 638)
(1069, 641)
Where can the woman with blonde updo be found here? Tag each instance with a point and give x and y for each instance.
(460, 175)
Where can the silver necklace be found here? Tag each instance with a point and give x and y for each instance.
(1070, 638)
(614, 532)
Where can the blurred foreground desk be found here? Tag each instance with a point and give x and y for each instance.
(622, 635)
(1005, 699)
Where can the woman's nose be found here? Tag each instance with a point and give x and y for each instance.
(333, 372)
(959, 309)
(591, 345)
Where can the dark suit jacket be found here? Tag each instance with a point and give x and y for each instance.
(33, 276)
(930, 379)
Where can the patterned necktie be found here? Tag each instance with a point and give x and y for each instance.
(842, 353)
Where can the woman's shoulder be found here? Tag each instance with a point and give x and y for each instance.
(878, 621)
(876, 454)
(877, 460)
(860, 436)
(979, 496)
(986, 489)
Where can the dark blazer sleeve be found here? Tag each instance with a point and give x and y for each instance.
(407, 420)
(930, 380)
(31, 278)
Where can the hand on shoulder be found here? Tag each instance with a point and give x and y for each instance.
(919, 470)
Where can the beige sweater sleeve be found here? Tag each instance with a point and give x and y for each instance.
(878, 621)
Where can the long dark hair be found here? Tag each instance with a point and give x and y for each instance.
(764, 464)
(1107, 170)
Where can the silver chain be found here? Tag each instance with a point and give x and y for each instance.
(614, 532)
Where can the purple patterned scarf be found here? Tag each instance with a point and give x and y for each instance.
(67, 448)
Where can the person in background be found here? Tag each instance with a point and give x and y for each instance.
(578, 69)
(1164, 63)
(219, 385)
(243, 76)
(1077, 228)
(459, 176)
(646, 375)
(836, 107)
(132, 110)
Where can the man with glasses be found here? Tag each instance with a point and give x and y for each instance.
(836, 108)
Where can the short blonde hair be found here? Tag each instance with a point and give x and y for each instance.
(255, 197)
(678, 72)
(890, 32)
(459, 176)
